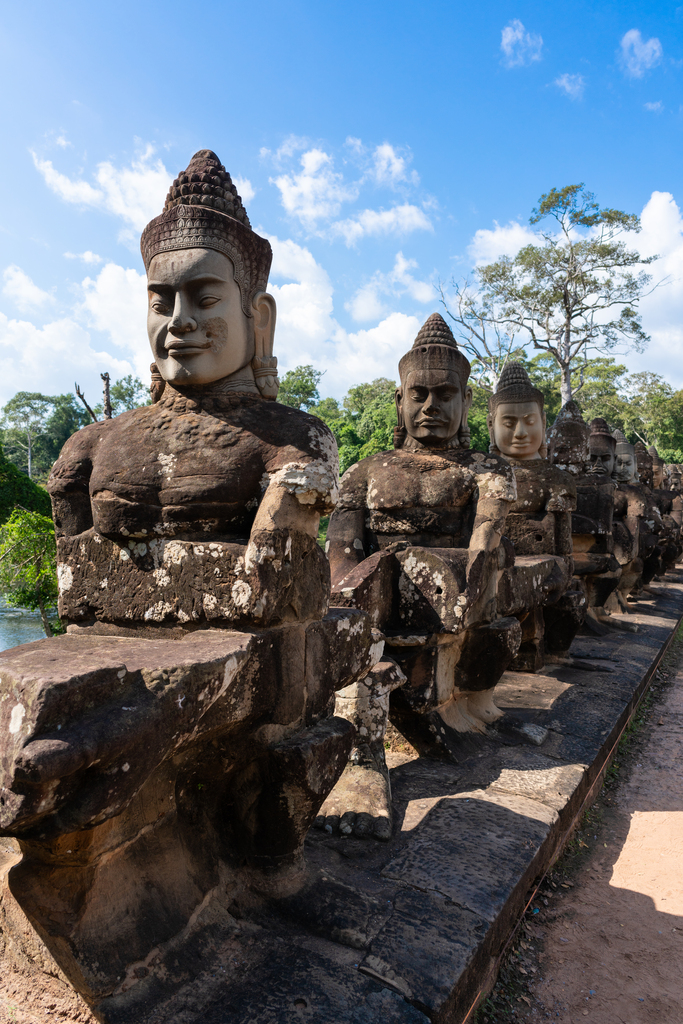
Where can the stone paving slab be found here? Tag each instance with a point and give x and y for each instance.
(408, 931)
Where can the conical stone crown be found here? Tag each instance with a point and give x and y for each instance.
(435, 331)
(600, 439)
(513, 374)
(514, 386)
(206, 182)
(435, 348)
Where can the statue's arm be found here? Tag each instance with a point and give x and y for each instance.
(347, 544)
(497, 492)
(69, 485)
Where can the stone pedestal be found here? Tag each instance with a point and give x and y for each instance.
(148, 782)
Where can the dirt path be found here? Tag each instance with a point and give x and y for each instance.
(603, 940)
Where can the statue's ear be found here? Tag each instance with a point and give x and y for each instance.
(464, 435)
(264, 311)
(400, 428)
(264, 363)
(398, 398)
(543, 450)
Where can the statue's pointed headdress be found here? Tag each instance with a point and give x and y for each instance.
(435, 348)
(569, 433)
(204, 211)
(600, 439)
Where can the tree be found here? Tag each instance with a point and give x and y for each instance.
(24, 418)
(578, 291)
(28, 563)
(17, 489)
(486, 339)
(299, 387)
(127, 393)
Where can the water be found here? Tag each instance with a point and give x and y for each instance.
(18, 626)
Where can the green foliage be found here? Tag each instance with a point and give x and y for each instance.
(365, 422)
(576, 291)
(35, 427)
(28, 563)
(17, 489)
(127, 393)
(299, 387)
(24, 419)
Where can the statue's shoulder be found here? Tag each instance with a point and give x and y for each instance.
(78, 450)
(353, 486)
(495, 476)
(291, 434)
(554, 477)
(481, 463)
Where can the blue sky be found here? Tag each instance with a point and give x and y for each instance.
(382, 147)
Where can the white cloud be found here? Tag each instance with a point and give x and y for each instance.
(399, 220)
(115, 302)
(307, 331)
(519, 47)
(20, 289)
(292, 144)
(662, 311)
(655, 108)
(639, 55)
(490, 243)
(48, 359)
(389, 168)
(317, 192)
(304, 316)
(367, 303)
(244, 187)
(62, 141)
(87, 256)
(354, 144)
(135, 193)
(572, 85)
(368, 354)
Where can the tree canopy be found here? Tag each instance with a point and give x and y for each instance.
(576, 292)
(28, 563)
(299, 387)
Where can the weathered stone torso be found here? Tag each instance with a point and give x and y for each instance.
(539, 521)
(426, 497)
(153, 511)
(184, 470)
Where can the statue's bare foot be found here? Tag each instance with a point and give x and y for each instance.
(360, 803)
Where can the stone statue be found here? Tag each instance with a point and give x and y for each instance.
(540, 520)
(654, 540)
(174, 747)
(416, 540)
(671, 509)
(629, 528)
(568, 440)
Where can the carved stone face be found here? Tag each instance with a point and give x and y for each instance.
(432, 404)
(625, 468)
(658, 473)
(600, 462)
(196, 325)
(518, 429)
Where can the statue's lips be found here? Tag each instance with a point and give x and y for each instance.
(179, 348)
